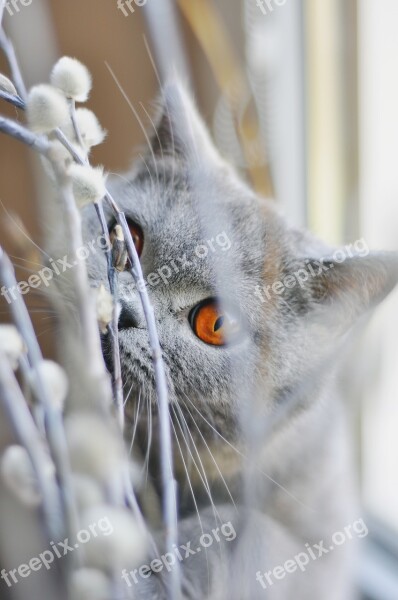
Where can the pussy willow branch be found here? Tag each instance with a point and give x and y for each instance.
(72, 112)
(27, 435)
(89, 327)
(73, 216)
(114, 333)
(112, 278)
(52, 417)
(12, 99)
(86, 311)
(2, 7)
(168, 482)
(113, 329)
(8, 49)
(22, 134)
(43, 146)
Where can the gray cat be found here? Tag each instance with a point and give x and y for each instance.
(252, 316)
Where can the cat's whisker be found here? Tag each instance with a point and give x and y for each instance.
(38, 291)
(185, 467)
(46, 318)
(157, 137)
(210, 453)
(280, 486)
(149, 441)
(183, 429)
(50, 330)
(35, 310)
(190, 483)
(22, 230)
(127, 181)
(205, 481)
(155, 69)
(137, 116)
(136, 417)
(125, 384)
(154, 188)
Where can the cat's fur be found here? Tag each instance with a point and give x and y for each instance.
(270, 395)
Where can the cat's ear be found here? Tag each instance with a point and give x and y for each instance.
(180, 131)
(341, 291)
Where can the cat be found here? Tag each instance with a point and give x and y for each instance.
(251, 351)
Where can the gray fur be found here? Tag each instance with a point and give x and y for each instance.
(271, 394)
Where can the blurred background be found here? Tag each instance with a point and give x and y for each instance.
(302, 96)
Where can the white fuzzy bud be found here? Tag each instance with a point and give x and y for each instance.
(89, 584)
(89, 127)
(6, 85)
(56, 381)
(72, 78)
(87, 491)
(88, 183)
(46, 108)
(60, 154)
(19, 477)
(104, 307)
(94, 449)
(11, 343)
(120, 541)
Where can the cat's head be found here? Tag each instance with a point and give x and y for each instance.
(243, 305)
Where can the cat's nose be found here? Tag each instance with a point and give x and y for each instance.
(130, 316)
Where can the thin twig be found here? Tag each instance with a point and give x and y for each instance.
(166, 454)
(73, 220)
(72, 111)
(112, 278)
(113, 328)
(39, 143)
(8, 49)
(114, 333)
(2, 7)
(70, 147)
(168, 482)
(19, 103)
(85, 305)
(12, 99)
(112, 275)
(53, 418)
(28, 435)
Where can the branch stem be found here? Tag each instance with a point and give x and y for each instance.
(28, 436)
(7, 47)
(12, 99)
(52, 417)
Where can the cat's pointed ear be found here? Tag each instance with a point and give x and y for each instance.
(348, 288)
(180, 131)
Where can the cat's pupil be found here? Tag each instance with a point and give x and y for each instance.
(219, 323)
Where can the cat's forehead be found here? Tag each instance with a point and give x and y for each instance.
(178, 207)
(202, 228)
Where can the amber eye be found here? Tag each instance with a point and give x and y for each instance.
(137, 235)
(213, 323)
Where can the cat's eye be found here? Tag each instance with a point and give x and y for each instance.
(214, 324)
(137, 237)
